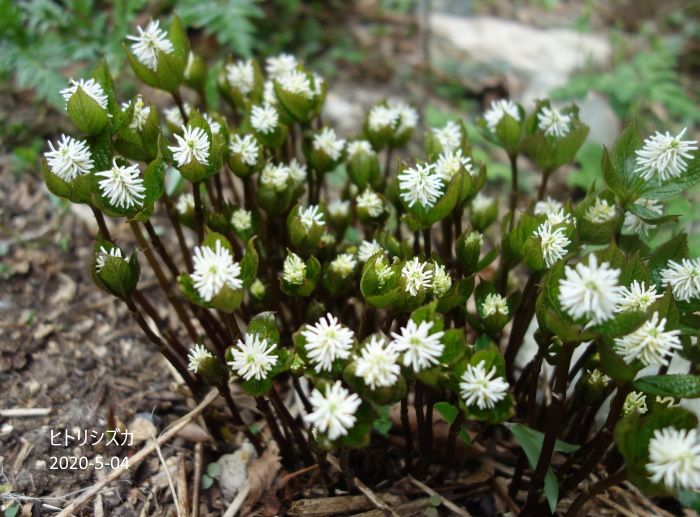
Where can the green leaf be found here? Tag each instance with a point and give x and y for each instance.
(531, 441)
(670, 385)
(249, 263)
(86, 113)
(657, 189)
(632, 436)
(447, 411)
(265, 326)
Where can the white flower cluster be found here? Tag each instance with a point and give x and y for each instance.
(215, 269)
(147, 43)
(498, 109)
(420, 185)
(590, 291)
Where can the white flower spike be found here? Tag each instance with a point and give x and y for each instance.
(665, 156)
(637, 297)
(420, 349)
(683, 277)
(122, 185)
(69, 159)
(554, 243)
(196, 356)
(553, 122)
(213, 270)
(650, 343)
(368, 249)
(192, 145)
(370, 202)
(327, 341)
(590, 291)
(482, 388)
(333, 412)
(264, 119)
(328, 142)
(293, 269)
(141, 112)
(494, 304)
(499, 108)
(148, 42)
(90, 87)
(102, 256)
(253, 358)
(246, 147)
(310, 216)
(674, 458)
(241, 75)
(420, 184)
(378, 365)
(416, 275)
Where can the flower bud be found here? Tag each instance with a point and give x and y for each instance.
(326, 150)
(86, 104)
(245, 155)
(484, 211)
(113, 272)
(468, 249)
(371, 208)
(299, 278)
(305, 227)
(160, 59)
(258, 290)
(363, 164)
(195, 72)
(339, 273)
(300, 95)
(598, 219)
(267, 127)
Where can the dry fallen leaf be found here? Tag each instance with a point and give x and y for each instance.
(262, 473)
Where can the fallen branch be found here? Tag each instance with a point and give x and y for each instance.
(137, 458)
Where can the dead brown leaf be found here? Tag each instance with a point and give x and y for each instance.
(261, 474)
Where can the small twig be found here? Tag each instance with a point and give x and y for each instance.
(182, 484)
(167, 475)
(238, 500)
(198, 462)
(21, 412)
(500, 489)
(366, 491)
(446, 502)
(137, 458)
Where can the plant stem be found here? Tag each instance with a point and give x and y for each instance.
(387, 162)
(550, 435)
(406, 427)
(174, 219)
(238, 419)
(162, 347)
(264, 408)
(427, 243)
(163, 280)
(345, 468)
(160, 248)
(180, 106)
(521, 322)
(543, 185)
(601, 440)
(299, 437)
(513, 187)
(198, 210)
(101, 224)
(162, 325)
(595, 489)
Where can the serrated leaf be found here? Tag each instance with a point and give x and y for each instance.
(670, 385)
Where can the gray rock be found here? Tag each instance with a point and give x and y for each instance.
(534, 61)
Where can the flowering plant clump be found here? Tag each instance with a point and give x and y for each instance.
(408, 287)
